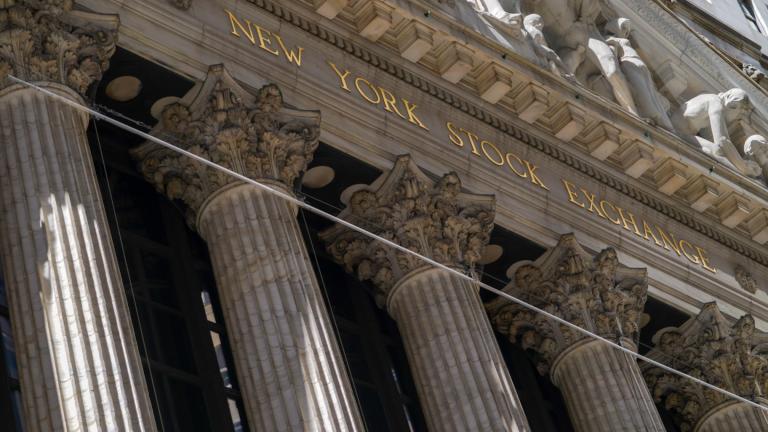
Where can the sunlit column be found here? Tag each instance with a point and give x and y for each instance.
(287, 357)
(461, 379)
(78, 360)
(730, 356)
(602, 387)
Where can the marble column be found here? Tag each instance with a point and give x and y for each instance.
(78, 360)
(732, 356)
(461, 379)
(602, 386)
(288, 361)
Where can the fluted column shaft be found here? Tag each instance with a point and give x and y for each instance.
(604, 390)
(78, 360)
(734, 416)
(461, 379)
(288, 361)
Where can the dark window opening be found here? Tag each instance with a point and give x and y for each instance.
(165, 267)
(749, 13)
(369, 338)
(10, 394)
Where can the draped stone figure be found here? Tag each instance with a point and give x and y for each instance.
(571, 29)
(756, 150)
(647, 97)
(704, 120)
(533, 25)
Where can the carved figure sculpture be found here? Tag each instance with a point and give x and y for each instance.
(647, 98)
(570, 26)
(508, 14)
(712, 113)
(756, 150)
(533, 25)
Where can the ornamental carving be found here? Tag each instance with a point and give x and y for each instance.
(433, 218)
(255, 135)
(181, 4)
(595, 293)
(745, 279)
(47, 41)
(731, 356)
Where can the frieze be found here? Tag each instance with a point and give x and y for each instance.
(483, 115)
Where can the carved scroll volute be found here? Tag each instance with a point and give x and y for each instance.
(47, 41)
(433, 218)
(731, 356)
(254, 135)
(593, 292)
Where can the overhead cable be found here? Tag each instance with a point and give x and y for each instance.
(293, 200)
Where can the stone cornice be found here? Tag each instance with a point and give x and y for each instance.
(51, 42)
(593, 292)
(460, 98)
(731, 356)
(433, 218)
(255, 135)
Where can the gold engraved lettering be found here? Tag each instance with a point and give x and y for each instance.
(603, 204)
(500, 161)
(453, 135)
(593, 208)
(532, 174)
(647, 230)
(376, 101)
(572, 194)
(247, 29)
(626, 221)
(342, 77)
(410, 108)
(520, 174)
(265, 41)
(704, 260)
(472, 137)
(691, 257)
(293, 57)
(390, 102)
(670, 242)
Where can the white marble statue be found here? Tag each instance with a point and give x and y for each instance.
(533, 25)
(509, 13)
(646, 96)
(571, 30)
(704, 120)
(756, 150)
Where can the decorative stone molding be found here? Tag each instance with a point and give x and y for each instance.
(529, 100)
(252, 134)
(745, 279)
(181, 4)
(731, 356)
(593, 292)
(433, 218)
(50, 42)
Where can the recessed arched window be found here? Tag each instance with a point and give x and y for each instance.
(749, 13)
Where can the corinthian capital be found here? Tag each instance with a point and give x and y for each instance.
(433, 218)
(47, 41)
(255, 135)
(731, 356)
(594, 292)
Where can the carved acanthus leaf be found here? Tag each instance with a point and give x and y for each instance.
(732, 357)
(47, 41)
(405, 206)
(595, 293)
(251, 134)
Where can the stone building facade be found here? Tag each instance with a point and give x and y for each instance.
(604, 161)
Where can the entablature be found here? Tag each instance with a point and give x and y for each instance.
(571, 151)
